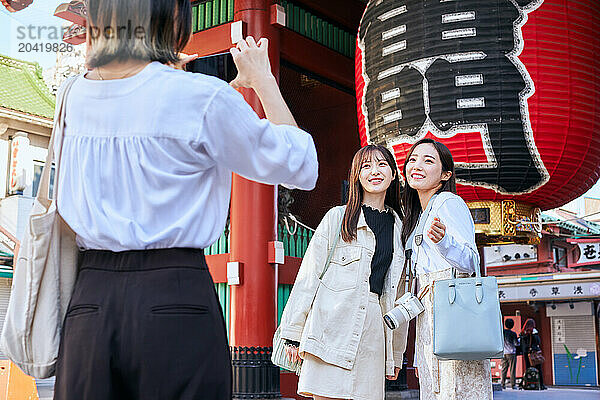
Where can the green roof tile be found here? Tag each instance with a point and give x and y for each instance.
(576, 227)
(22, 88)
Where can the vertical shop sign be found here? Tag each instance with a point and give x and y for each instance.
(559, 330)
(19, 150)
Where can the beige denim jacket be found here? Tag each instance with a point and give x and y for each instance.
(330, 326)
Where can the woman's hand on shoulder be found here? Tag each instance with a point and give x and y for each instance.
(437, 231)
(252, 62)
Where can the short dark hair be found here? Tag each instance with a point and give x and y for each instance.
(509, 323)
(147, 30)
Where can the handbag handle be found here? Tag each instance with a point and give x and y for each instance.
(478, 286)
(57, 135)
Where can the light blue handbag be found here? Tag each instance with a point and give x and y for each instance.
(467, 323)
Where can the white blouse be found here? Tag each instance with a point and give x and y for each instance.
(147, 160)
(457, 248)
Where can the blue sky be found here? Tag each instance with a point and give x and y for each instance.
(39, 15)
(594, 191)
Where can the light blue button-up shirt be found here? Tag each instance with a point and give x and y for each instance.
(147, 160)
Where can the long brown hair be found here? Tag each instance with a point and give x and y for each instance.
(355, 195)
(410, 197)
(528, 327)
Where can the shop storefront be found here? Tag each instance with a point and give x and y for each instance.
(565, 307)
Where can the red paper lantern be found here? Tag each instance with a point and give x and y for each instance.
(512, 87)
(16, 5)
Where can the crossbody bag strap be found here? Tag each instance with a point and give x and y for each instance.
(330, 255)
(417, 237)
(43, 195)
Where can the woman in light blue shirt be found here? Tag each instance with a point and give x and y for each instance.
(448, 241)
(145, 179)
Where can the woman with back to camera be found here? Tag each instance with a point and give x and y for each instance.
(530, 343)
(448, 242)
(347, 351)
(145, 179)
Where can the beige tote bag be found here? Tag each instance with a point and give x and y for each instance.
(44, 274)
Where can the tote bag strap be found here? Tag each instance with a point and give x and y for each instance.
(478, 285)
(43, 195)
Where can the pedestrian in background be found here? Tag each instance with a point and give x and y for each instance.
(530, 343)
(347, 350)
(145, 182)
(447, 242)
(511, 341)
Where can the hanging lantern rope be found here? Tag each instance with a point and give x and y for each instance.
(287, 226)
(296, 222)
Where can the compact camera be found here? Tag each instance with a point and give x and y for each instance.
(407, 307)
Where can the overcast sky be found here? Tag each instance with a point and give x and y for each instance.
(594, 191)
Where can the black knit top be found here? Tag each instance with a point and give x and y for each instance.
(382, 225)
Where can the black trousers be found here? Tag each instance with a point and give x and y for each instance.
(144, 325)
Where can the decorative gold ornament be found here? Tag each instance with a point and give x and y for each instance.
(506, 221)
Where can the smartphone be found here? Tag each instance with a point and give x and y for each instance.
(220, 65)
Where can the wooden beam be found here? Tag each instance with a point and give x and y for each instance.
(211, 41)
(534, 267)
(31, 127)
(316, 58)
(289, 270)
(8, 240)
(217, 265)
(345, 12)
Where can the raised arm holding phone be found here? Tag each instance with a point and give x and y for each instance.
(145, 181)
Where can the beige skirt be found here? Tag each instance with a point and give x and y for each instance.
(366, 380)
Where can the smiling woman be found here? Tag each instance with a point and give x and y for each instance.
(370, 163)
(428, 169)
(349, 358)
(449, 243)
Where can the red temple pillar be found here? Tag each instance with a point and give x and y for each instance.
(253, 222)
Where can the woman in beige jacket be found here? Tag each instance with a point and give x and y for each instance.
(335, 325)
